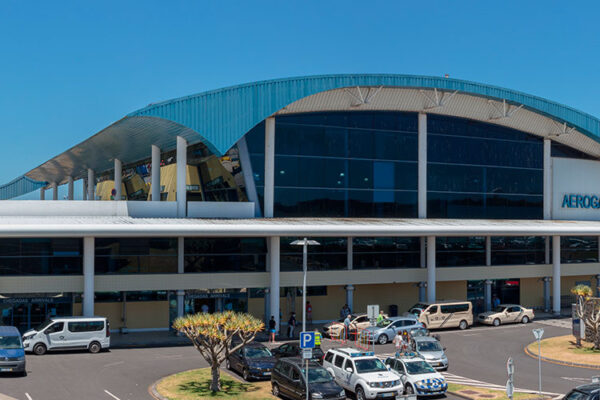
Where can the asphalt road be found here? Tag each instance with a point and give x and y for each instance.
(125, 374)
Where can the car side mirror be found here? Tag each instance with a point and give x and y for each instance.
(349, 370)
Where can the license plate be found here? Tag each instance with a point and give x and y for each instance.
(388, 395)
(5, 369)
(266, 373)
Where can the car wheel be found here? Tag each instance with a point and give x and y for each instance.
(383, 339)
(360, 394)
(496, 322)
(24, 373)
(275, 390)
(463, 325)
(39, 349)
(525, 319)
(408, 389)
(246, 374)
(94, 348)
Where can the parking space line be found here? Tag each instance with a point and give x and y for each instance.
(111, 395)
(28, 396)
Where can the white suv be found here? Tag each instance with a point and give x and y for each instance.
(363, 374)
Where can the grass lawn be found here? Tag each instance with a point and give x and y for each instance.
(195, 384)
(483, 393)
(562, 348)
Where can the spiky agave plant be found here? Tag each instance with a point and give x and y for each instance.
(213, 335)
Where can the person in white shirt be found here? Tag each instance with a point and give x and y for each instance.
(399, 343)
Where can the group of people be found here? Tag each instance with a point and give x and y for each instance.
(403, 343)
(292, 322)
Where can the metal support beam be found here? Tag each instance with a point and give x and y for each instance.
(349, 253)
(274, 263)
(487, 295)
(88, 276)
(85, 189)
(42, 193)
(181, 177)
(423, 253)
(422, 167)
(269, 190)
(70, 188)
(248, 173)
(118, 178)
(556, 275)
(431, 269)
(488, 250)
(547, 180)
(180, 270)
(422, 291)
(54, 191)
(155, 171)
(547, 304)
(91, 183)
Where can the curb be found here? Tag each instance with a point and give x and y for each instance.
(559, 362)
(462, 396)
(154, 393)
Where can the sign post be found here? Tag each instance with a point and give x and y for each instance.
(307, 343)
(510, 369)
(538, 333)
(372, 313)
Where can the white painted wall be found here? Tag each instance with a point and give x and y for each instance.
(575, 177)
(219, 209)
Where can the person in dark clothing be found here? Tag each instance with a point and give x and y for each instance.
(272, 326)
(291, 325)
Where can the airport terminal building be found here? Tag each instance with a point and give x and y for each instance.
(417, 188)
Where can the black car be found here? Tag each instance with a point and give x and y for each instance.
(288, 381)
(584, 392)
(253, 361)
(293, 350)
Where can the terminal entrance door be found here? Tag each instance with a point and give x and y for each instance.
(29, 312)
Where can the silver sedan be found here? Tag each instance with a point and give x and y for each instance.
(385, 330)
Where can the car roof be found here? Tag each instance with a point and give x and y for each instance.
(77, 318)
(412, 318)
(9, 331)
(589, 388)
(299, 362)
(424, 339)
(426, 303)
(509, 305)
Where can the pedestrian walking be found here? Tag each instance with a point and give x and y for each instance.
(272, 329)
(398, 343)
(380, 317)
(346, 326)
(291, 325)
(317, 338)
(308, 313)
(495, 302)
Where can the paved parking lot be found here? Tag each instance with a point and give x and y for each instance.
(478, 354)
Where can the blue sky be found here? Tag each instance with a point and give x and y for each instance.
(70, 68)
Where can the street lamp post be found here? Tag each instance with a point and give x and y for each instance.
(538, 333)
(304, 243)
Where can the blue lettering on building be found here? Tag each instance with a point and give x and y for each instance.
(586, 201)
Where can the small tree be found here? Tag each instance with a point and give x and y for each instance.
(213, 335)
(587, 310)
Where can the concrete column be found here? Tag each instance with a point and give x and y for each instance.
(422, 291)
(88, 276)
(547, 305)
(274, 263)
(155, 171)
(487, 295)
(431, 269)
(350, 297)
(70, 188)
(423, 253)
(180, 270)
(91, 183)
(268, 306)
(269, 196)
(488, 250)
(556, 275)
(181, 177)
(422, 167)
(42, 193)
(85, 189)
(118, 178)
(54, 191)
(349, 253)
(547, 180)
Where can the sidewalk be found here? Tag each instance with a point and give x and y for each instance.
(159, 339)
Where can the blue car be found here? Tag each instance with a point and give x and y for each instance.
(12, 354)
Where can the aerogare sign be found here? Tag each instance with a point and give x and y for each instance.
(572, 200)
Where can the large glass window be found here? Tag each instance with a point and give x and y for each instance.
(578, 249)
(330, 254)
(337, 164)
(460, 251)
(479, 170)
(518, 250)
(136, 255)
(41, 256)
(386, 252)
(225, 254)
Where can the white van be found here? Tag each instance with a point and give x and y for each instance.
(444, 314)
(68, 333)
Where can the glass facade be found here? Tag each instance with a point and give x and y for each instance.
(460, 251)
(337, 164)
(478, 170)
(386, 252)
(330, 254)
(578, 249)
(518, 250)
(41, 256)
(136, 255)
(225, 255)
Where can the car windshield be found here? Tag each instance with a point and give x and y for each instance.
(429, 346)
(384, 323)
(44, 325)
(369, 365)
(317, 375)
(500, 309)
(10, 342)
(419, 332)
(418, 367)
(257, 352)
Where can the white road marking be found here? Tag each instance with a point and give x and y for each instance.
(111, 395)
(113, 364)
(581, 380)
(28, 396)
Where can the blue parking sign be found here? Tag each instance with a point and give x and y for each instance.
(307, 340)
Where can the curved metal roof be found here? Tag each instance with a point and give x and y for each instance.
(219, 118)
